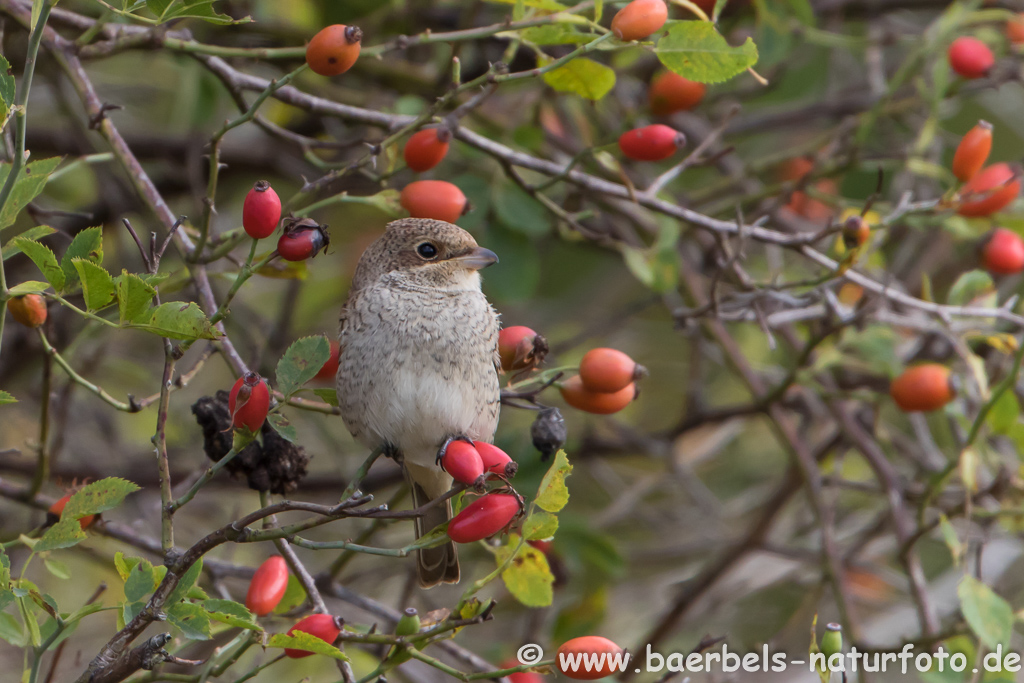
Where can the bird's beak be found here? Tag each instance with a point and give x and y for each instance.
(477, 259)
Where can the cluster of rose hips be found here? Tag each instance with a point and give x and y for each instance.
(669, 93)
(266, 589)
(985, 191)
(302, 238)
(605, 384)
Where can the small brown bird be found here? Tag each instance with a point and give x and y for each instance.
(418, 363)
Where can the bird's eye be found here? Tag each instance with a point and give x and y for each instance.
(427, 250)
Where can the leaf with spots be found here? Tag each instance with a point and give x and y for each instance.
(527, 576)
(697, 51)
(301, 362)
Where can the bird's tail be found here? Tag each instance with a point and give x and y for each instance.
(441, 563)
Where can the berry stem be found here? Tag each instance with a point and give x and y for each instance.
(211, 187)
(20, 125)
(81, 381)
(210, 472)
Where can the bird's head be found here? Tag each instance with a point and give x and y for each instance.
(425, 253)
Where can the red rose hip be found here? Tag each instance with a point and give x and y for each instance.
(462, 461)
(249, 402)
(426, 148)
(261, 211)
(1015, 30)
(302, 239)
(922, 388)
(495, 460)
(606, 371)
(571, 664)
(323, 626)
(329, 370)
(579, 397)
(484, 517)
(268, 586)
(970, 57)
(670, 92)
(28, 309)
(639, 19)
(437, 199)
(516, 347)
(972, 152)
(334, 49)
(1003, 252)
(651, 143)
(990, 190)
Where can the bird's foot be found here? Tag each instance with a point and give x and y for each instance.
(390, 451)
(444, 446)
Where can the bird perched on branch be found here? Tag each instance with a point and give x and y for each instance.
(418, 363)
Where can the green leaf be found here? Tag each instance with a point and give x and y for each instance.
(167, 10)
(231, 613)
(549, 5)
(179, 320)
(186, 583)
(36, 233)
(553, 493)
(140, 582)
(975, 287)
(952, 540)
(695, 50)
(308, 642)
(988, 615)
(57, 568)
(7, 88)
(123, 564)
(64, 534)
(133, 297)
(5, 570)
(29, 287)
(598, 10)
(1003, 415)
(329, 396)
(540, 525)
(294, 595)
(657, 269)
(6, 398)
(87, 245)
(27, 187)
(44, 259)
(283, 426)
(520, 212)
(802, 10)
(528, 577)
(551, 34)
(97, 286)
(99, 496)
(584, 77)
(11, 630)
(191, 619)
(301, 362)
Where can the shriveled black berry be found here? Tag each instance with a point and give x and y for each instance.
(548, 432)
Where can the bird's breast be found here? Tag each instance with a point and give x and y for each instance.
(416, 368)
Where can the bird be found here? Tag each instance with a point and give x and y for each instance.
(418, 365)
